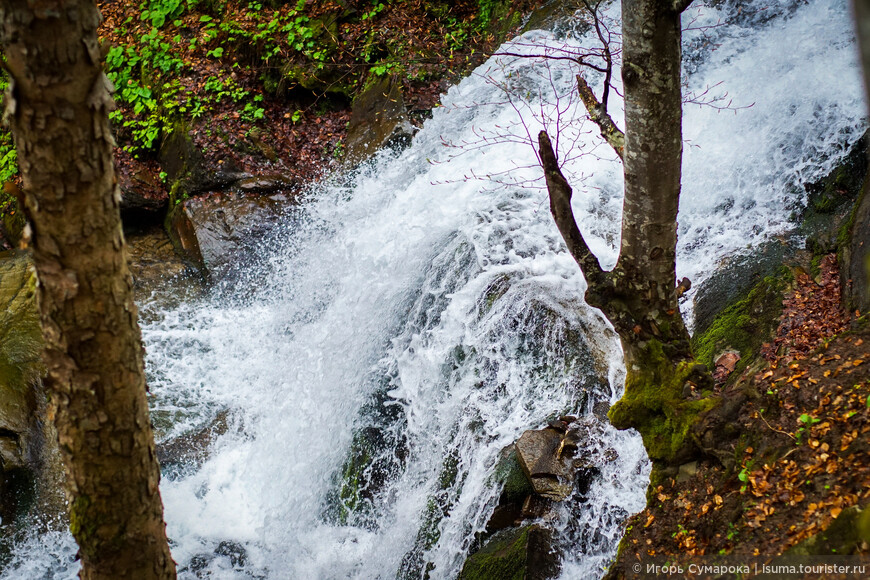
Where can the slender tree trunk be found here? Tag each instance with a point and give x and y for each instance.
(639, 296)
(57, 106)
(652, 163)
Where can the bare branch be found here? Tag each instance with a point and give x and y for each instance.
(560, 206)
(598, 115)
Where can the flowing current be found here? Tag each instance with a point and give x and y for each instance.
(410, 321)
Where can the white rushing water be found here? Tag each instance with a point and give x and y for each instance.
(434, 319)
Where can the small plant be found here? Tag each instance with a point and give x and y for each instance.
(807, 422)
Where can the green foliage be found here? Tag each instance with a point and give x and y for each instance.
(137, 73)
(158, 12)
(8, 156)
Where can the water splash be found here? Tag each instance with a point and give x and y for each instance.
(436, 323)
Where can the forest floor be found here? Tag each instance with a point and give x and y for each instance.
(803, 456)
(268, 88)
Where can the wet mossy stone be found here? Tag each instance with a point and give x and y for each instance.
(509, 472)
(843, 537)
(378, 119)
(21, 366)
(839, 187)
(524, 553)
(853, 254)
(746, 323)
(654, 405)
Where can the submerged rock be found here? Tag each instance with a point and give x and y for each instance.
(191, 449)
(154, 263)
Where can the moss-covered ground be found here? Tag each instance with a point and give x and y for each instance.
(792, 474)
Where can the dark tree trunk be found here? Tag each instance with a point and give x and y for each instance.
(639, 296)
(57, 106)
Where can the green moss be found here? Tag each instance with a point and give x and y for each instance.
(502, 558)
(516, 485)
(653, 402)
(746, 324)
(844, 234)
(21, 341)
(82, 525)
(843, 537)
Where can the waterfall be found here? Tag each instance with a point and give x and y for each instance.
(408, 322)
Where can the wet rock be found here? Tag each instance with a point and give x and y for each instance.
(550, 474)
(142, 193)
(20, 371)
(735, 276)
(215, 231)
(854, 257)
(186, 168)
(266, 183)
(570, 442)
(235, 552)
(600, 410)
(154, 264)
(554, 15)
(525, 552)
(515, 484)
(191, 449)
(535, 507)
(378, 119)
(504, 516)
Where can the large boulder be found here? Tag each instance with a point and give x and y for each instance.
(854, 256)
(20, 371)
(524, 553)
(187, 171)
(215, 231)
(378, 119)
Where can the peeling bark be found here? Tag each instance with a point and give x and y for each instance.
(57, 106)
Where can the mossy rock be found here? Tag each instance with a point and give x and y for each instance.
(325, 81)
(21, 346)
(12, 219)
(524, 553)
(843, 537)
(376, 455)
(746, 323)
(508, 472)
(853, 254)
(655, 405)
(842, 184)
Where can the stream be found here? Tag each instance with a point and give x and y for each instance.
(431, 313)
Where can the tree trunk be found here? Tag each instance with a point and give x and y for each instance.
(639, 296)
(57, 106)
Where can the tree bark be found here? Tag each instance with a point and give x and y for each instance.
(57, 106)
(639, 296)
(652, 163)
